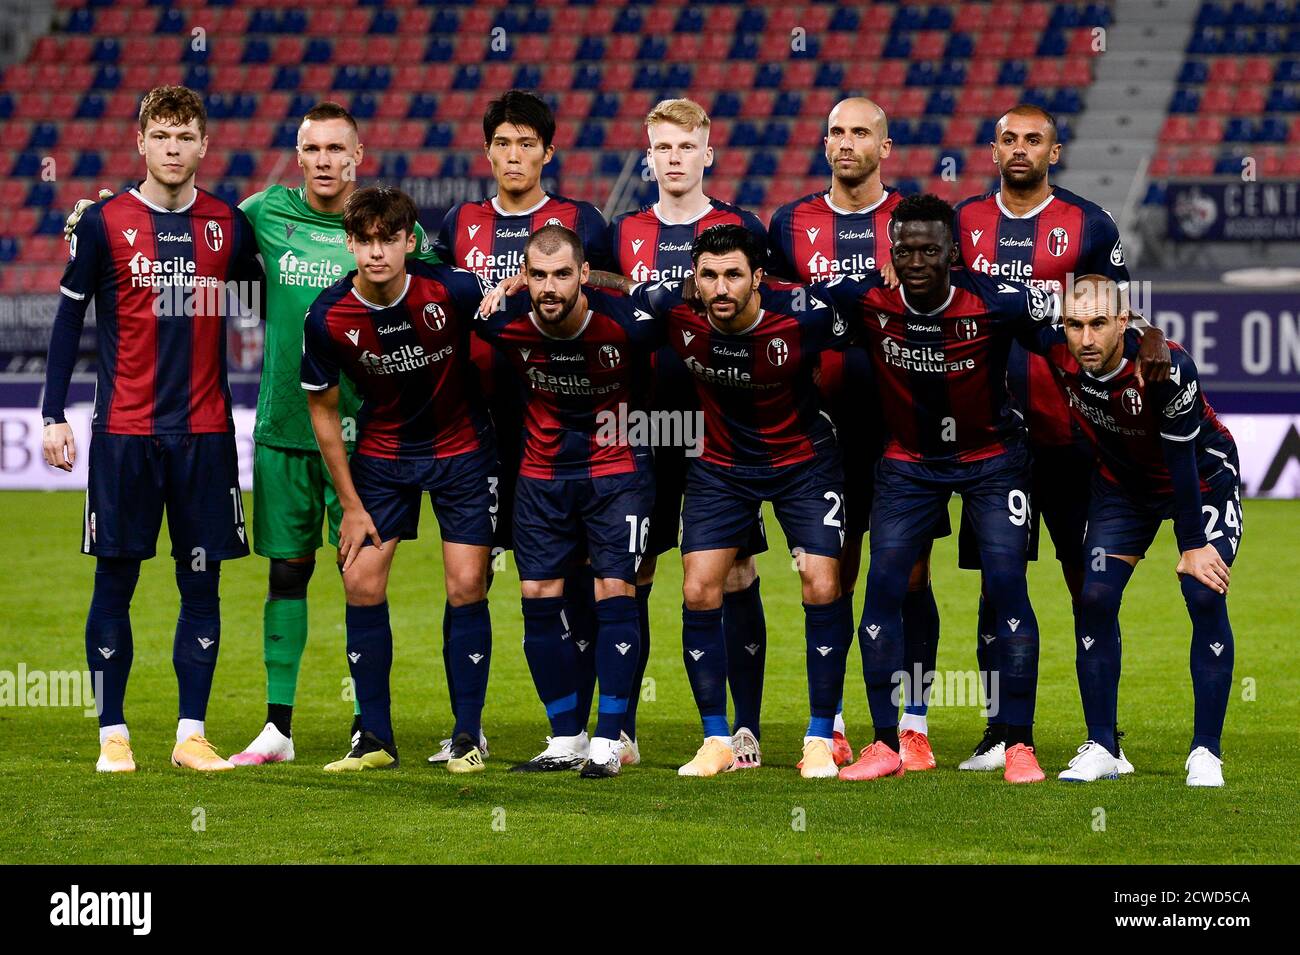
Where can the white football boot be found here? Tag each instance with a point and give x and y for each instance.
(444, 751)
(1203, 768)
(561, 753)
(630, 753)
(271, 746)
(1091, 762)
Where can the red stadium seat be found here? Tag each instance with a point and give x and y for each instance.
(684, 48)
(635, 105)
(1225, 70)
(982, 72)
(1161, 166)
(624, 134)
(889, 74)
(908, 103)
(757, 104)
(928, 44)
(992, 44)
(1257, 69)
(961, 130)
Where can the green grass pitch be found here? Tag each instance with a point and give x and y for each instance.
(55, 808)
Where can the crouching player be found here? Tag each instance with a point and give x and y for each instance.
(400, 332)
(1162, 453)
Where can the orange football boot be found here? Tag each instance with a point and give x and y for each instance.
(875, 761)
(840, 749)
(1022, 765)
(915, 749)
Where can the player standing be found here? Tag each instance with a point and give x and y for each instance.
(843, 231)
(400, 331)
(752, 352)
(163, 435)
(938, 346)
(1162, 454)
(488, 238)
(577, 352)
(652, 245)
(1033, 232)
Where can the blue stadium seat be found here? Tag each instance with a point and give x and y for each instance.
(1185, 101)
(1239, 130)
(611, 164)
(788, 103)
(690, 20)
(591, 136)
(91, 106)
(753, 20)
(652, 48)
(106, 50)
(907, 18)
(81, 21)
(468, 77)
(170, 20)
(744, 133)
(1052, 43)
(52, 222)
(830, 75)
(384, 22)
(587, 77)
(438, 136)
(591, 48)
(941, 102)
(256, 50)
(41, 194)
(960, 47)
(726, 105)
(293, 21)
(44, 136)
(898, 46)
(1013, 73)
(88, 164)
(761, 164)
(1194, 71)
(768, 76)
(776, 134)
(438, 51)
(629, 20)
(750, 195)
(241, 165)
(744, 47)
(319, 50)
(423, 106)
(286, 136)
(845, 20)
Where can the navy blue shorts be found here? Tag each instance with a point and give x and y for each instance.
(671, 467)
(1122, 525)
(1060, 488)
(464, 489)
(722, 504)
(133, 477)
(911, 503)
(560, 522)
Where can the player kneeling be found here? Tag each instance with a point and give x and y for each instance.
(399, 331)
(1162, 453)
(578, 352)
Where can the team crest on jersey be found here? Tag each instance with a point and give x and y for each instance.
(840, 326)
(1058, 240)
(1117, 254)
(1132, 401)
(213, 235)
(608, 356)
(553, 221)
(434, 317)
(967, 328)
(778, 352)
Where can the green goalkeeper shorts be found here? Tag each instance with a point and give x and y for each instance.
(292, 497)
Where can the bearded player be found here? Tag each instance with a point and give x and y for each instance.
(156, 261)
(1162, 454)
(1033, 232)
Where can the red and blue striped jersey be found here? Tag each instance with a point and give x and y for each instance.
(577, 389)
(420, 392)
(942, 375)
(762, 407)
(1128, 422)
(648, 249)
(161, 361)
(1065, 235)
(812, 240)
(488, 241)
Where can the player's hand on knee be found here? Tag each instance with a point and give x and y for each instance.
(1207, 566)
(70, 224)
(59, 446)
(354, 530)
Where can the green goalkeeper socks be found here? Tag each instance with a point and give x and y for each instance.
(284, 636)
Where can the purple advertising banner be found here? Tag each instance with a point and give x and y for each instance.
(1234, 211)
(1241, 341)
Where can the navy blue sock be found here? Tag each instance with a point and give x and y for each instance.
(986, 652)
(370, 660)
(470, 636)
(643, 658)
(921, 646)
(746, 631)
(552, 660)
(618, 640)
(704, 650)
(1212, 659)
(1097, 648)
(580, 611)
(109, 647)
(1016, 628)
(198, 637)
(828, 632)
(446, 657)
(880, 633)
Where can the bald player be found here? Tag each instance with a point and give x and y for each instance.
(844, 230)
(1031, 231)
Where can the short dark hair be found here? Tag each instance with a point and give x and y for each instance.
(548, 239)
(328, 109)
(384, 208)
(721, 239)
(173, 105)
(923, 208)
(520, 108)
(1033, 109)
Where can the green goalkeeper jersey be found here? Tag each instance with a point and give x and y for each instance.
(304, 252)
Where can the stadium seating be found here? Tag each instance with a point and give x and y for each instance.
(768, 72)
(1237, 96)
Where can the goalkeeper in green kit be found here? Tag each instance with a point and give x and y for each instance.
(300, 234)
